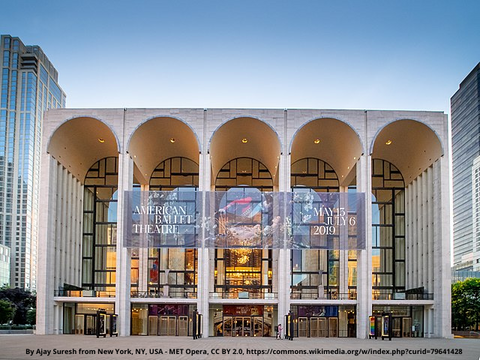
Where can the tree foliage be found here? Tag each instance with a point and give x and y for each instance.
(6, 311)
(22, 302)
(466, 304)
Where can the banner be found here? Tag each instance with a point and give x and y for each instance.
(245, 218)
(163, 218)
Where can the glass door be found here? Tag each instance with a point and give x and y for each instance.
(257, 326)
(172, 326)
(397, 327)
(247, 326)
(322, 327)
(79, 324)
(168, 326)
(238, 323)
(90, 324)
(314, 330)
(332, 327)
(227, 326)
(152, 325)
(407, 327)
(183, 326)
(302, 327)
(162, 329)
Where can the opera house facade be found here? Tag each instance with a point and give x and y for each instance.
(324, 221)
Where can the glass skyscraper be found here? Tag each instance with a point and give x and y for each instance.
(465, 110)
(29, 87)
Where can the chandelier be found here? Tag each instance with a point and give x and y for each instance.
(242, 256)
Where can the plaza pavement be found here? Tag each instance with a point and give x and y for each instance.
(13, 347)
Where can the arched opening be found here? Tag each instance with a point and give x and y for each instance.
(243, 273)
(245, 138)
(159, 139)
(80, 142)
(331, 140)
(410, 145)
(405, 176)
(170, 272)
(324, 153)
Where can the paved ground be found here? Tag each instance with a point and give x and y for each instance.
(14, 347)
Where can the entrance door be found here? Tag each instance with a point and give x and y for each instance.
(407, 327)
(333, 327)
(242, 326)
(302, 327)
(152, 325)
(79, 324)
(314, 330)
(90, 324)
(183, 326)
(247, 326)
(397, 327)
(168, 325)
(227, 326)
(238, 326)
(322, 327)
(257, 326)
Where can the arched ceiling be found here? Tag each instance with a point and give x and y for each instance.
(80, 142)
(159, 139)
(262, 144)
(408, 144)
(332, 141)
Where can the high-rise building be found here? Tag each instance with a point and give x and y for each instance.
(4, 265)
(465, 111)
(29, 87)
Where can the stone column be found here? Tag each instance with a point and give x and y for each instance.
(283, 269)
(122, 300)
(46, 246)
(442, 215)
(364, 257)
(204, 272)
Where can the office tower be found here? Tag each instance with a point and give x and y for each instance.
(29, 87)
(465, 112)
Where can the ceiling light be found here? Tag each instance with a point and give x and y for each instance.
(101, 140)
(316, 141)
(388, 142)
(172, 140)
(244, 140)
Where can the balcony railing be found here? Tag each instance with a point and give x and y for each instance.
(176, 294)
(295, 294)
(84, 293)
(244, 295)
(389, 295)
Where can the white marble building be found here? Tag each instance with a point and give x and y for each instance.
(398, 159)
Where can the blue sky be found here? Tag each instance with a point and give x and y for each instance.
(360, 54)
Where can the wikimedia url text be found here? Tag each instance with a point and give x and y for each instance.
(240, 351)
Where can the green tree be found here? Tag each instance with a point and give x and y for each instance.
(466, 304)
(22, 300)
(32, 316)
(6, 311)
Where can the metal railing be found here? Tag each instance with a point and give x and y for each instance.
(84, 293)
(296, 294)
(388, 295)
(244, 295)
(179, 294)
